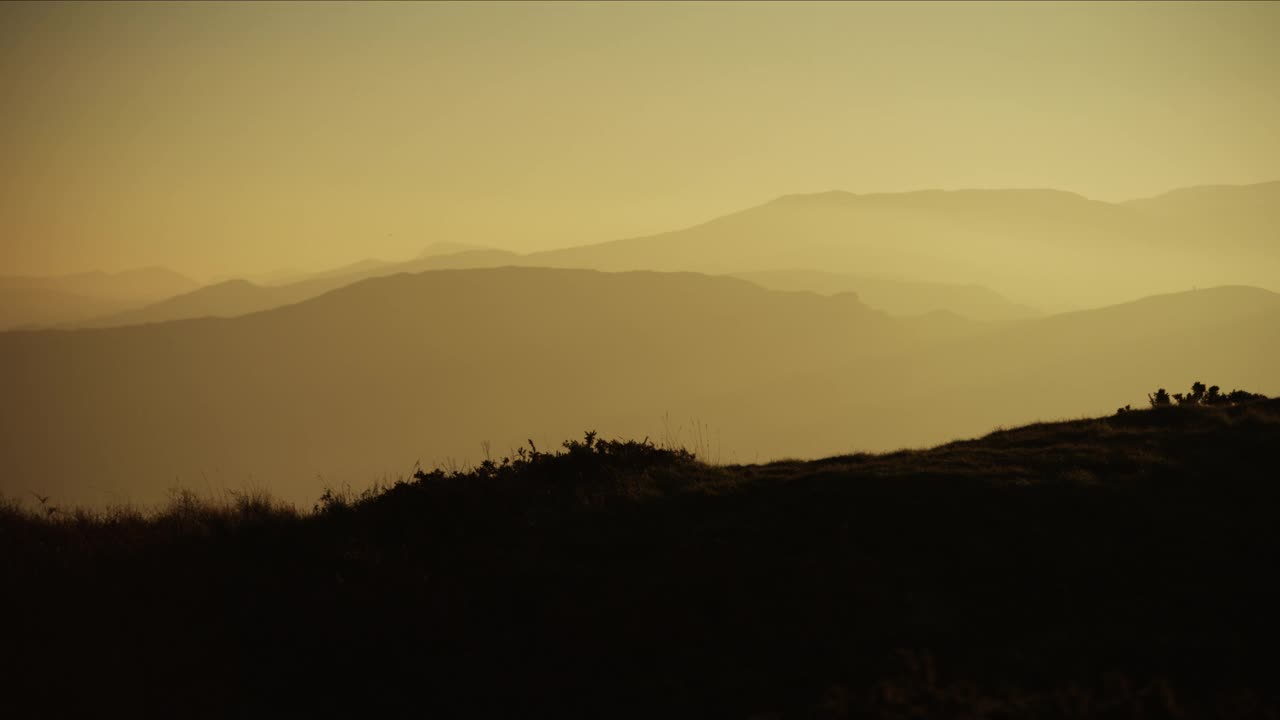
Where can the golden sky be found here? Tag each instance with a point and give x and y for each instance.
(220, 138)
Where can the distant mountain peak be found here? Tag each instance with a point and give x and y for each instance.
(827, 196)
(448, 247)
(1220, 190)
(234, 283)
(916, 197)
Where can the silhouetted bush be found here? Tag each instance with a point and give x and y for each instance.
(590, 456)
(1205, 396)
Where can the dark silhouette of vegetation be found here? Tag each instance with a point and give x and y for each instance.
(1116, 567)
(1201, 396)
(1160, 398)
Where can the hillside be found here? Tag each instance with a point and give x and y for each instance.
(361, 382)
(1116, 567)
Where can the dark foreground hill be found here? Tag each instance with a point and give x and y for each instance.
(1117, 567)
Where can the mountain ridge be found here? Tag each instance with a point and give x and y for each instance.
(413, 365)
(1049, 263)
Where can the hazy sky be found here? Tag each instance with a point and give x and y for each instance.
(219, 138)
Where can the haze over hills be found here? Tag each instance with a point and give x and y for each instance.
(1056, 250)
(347, 372)
(1051, 249)
(1227, 202)
(1228, 222)
(374, 375)
(370, 377)
(233, 298)
(136, 284)
(34, 307)
(32, 300)
(1060, 366)
(445, 247)
(898, 297)
(229, 298)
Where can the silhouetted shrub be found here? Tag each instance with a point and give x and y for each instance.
(1236, 397)
(1200, 396)
(1210, 396)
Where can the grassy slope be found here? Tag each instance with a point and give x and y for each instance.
(1058, 570)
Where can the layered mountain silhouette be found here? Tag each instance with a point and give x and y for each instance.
(398, 368)
(366, 379)
(899, 297)
(1060, 366)
(1046, 248)
(989, 255)
(1233, 218)
(232, 298)
(446, 247)
(32, 300)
